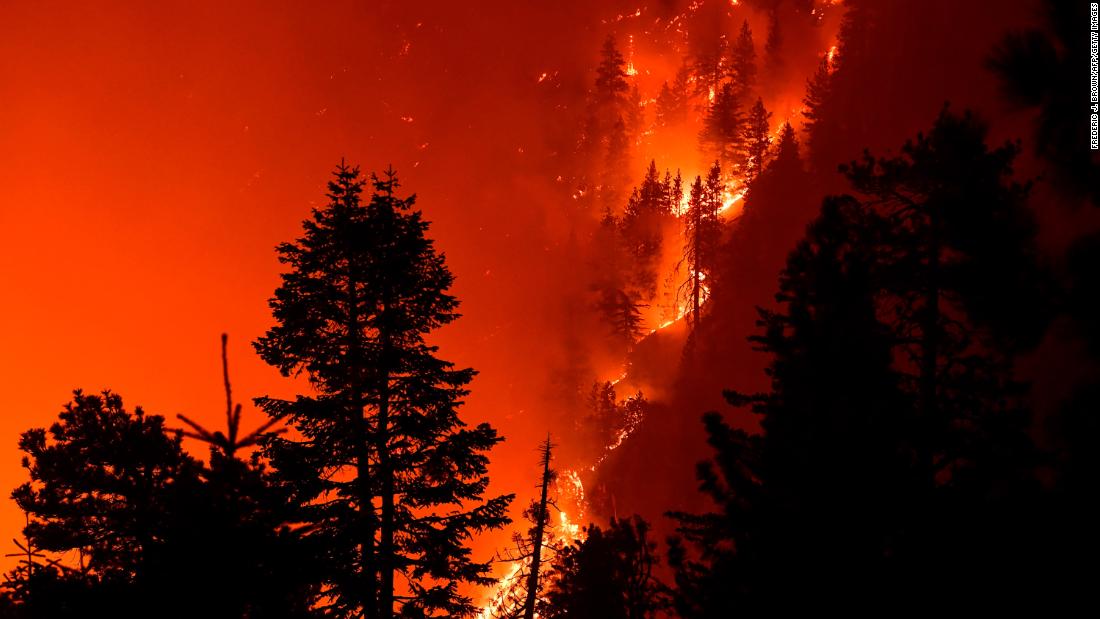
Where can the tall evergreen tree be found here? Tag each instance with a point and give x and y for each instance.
(522, 594)
(773, 47)
(758, 139)
(388, 476)
(962, 251)
(647, 219)
(710, 67)
(818, 88)
(894, 449)
(607, 576)
(703, 232)
(722, 135)
(742, 65)
(672, 101)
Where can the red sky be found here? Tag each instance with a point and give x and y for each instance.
(153, 154)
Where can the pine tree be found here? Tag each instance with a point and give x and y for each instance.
(116, 490)
(646, 220)
(702, 232)
(611, 83)
(608, 576)
(672, 101)
(540, 517)
(742, 65)
(387, 475)
(616, 174)
(773, 47)
(894, 449)
(963, 250)
(721, 137)
(757, 138)
(710, 68)
(818, 89)
(523, 593)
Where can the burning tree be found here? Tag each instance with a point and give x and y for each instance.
(702, 231)
(521, 592)
(758, 140)
(722, 135)
(742, 64)
(388, 478)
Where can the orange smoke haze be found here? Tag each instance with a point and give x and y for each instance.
(153, 154)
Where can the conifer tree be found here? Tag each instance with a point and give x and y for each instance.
(962, 250)
(702, 232)
(646, 220)
(710, 67)
(115, 489)
(742, 65)
(818, 88)
(608, 576)
(894, 443)
(389, 478)
(757, 140)
(672, 100)
(524, 591)
(773, 47)
(722, 135)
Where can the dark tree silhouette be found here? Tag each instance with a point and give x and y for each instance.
(672, 100)
(710, 67)
(522, 597)
(648, 218)
(818, 88)
(885, 459)
(228, 443)
(742, 65)
(702, 234)
(722, 135)
(112, 492)
(757, 139)
(388, 476)
(607, 576)
(607, 418)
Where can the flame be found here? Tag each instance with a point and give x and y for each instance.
(569, 528)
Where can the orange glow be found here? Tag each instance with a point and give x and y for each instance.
(153, 154)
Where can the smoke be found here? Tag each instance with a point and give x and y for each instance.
(161, 151)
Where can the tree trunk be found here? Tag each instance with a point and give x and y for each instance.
(386, 551)
(540, 531)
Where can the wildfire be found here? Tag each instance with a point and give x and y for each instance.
(570, 486)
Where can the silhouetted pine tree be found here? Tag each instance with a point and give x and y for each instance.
(386, 474)
(523, 597)
(607, 576)
(702, 234)
(647, 219)
(757, 139)
(265, 568)
(710, 67)
(773, 47)
(115, 489)
(818, 88)
(742, 65)
(616, 168)
(894, 452)
(722, 135)
(672, 100)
